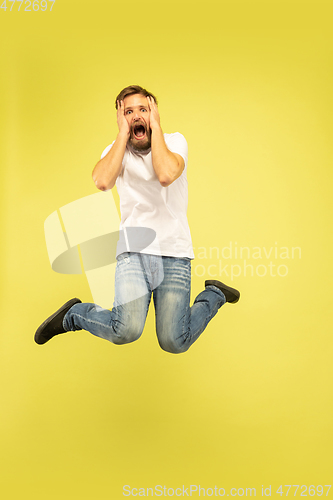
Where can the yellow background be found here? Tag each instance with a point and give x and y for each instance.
(249, 84)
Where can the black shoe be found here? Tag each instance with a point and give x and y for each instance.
(53, 325)
(231, 294)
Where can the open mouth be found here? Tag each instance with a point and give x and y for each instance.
(139, 131)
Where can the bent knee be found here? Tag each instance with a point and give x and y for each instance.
(172, 345)
(127, 333)
(126, 336)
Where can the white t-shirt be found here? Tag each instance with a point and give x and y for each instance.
(145, 203)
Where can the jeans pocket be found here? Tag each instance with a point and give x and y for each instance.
(123, 258)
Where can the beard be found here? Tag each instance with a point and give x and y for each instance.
(140, 136)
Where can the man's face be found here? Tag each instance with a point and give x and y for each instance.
(137, 114)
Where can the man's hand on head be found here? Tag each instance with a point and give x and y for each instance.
(123, 125)
(154, 114)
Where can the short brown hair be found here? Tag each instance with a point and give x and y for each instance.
(131, 90)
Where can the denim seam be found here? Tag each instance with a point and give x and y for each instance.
(97, 323)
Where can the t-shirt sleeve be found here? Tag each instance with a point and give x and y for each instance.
(107, 149)
(176, 143)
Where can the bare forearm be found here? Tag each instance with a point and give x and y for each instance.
(108, 168)
(166, 165)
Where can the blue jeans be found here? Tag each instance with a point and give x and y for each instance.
(137, 277)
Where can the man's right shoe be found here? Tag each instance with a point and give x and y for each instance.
(231, 294)
(53, 325)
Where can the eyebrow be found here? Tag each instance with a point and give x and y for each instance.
(139, 106)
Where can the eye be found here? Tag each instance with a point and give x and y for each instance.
(128, 112)
(144, 109)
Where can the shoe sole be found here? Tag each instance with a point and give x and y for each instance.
(225, 287)
(40, 329)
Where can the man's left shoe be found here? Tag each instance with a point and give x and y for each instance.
(231, 294)
(53, 325)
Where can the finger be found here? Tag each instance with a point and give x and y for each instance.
(154, 104)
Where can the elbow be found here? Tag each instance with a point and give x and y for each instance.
(170, 175)
(102, 186)
(165, 181)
